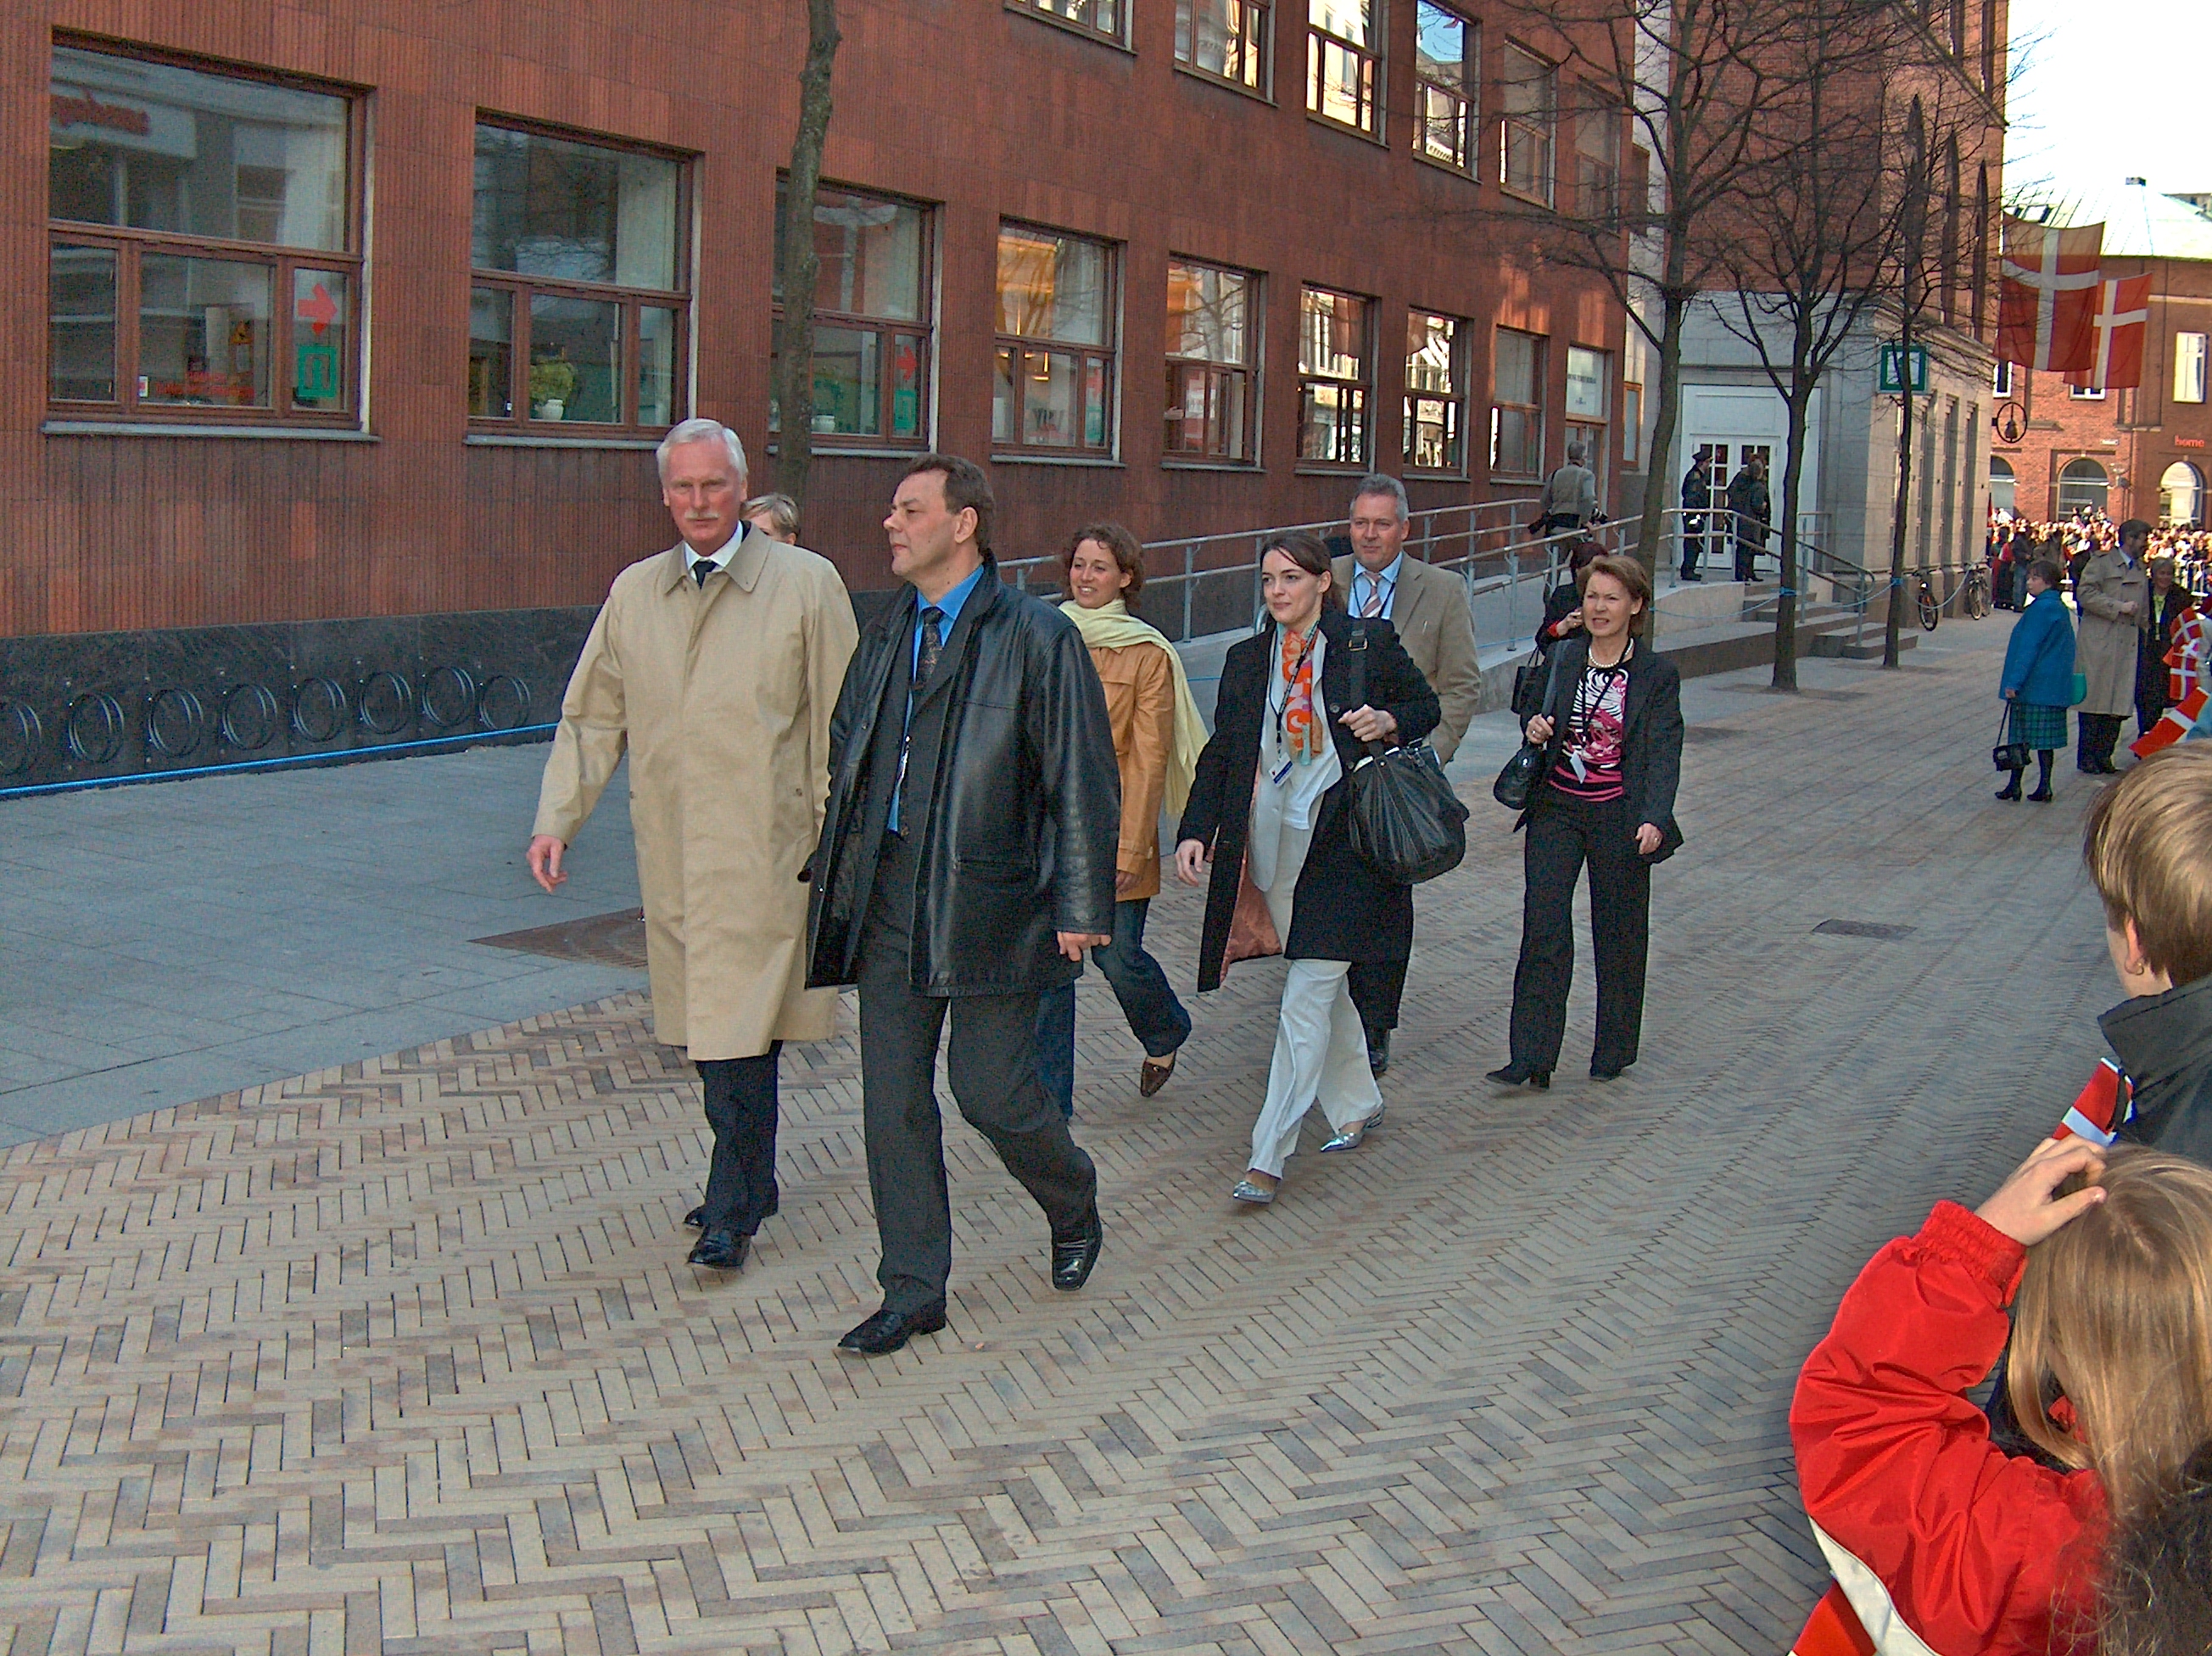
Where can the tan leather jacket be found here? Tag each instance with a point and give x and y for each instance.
(1140, 704)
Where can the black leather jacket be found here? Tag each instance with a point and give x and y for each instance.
(1025, 809)
(2164, 1043)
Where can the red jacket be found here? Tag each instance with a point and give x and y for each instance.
(1941, 1541)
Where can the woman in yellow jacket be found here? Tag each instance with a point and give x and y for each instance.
(1158, 734)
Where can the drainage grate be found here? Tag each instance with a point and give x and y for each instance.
(606, 940)
(1863, 929)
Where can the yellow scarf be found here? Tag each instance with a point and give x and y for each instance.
(1112, 627)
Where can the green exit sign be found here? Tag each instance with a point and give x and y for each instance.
(1893, 369)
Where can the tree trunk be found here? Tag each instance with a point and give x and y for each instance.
(1889, 632)
(795, 330)
(1651, 531)
(1793, 478)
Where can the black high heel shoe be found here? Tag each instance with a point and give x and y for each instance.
(1514, 1075)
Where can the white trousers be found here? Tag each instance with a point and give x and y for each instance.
(1320, 1058)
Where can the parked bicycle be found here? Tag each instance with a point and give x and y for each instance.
(1931, 608)
(1977, 598)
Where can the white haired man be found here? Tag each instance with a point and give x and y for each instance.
(1427, 608)
(716, 666)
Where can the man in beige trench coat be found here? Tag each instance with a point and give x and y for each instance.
(2112, 592)
(715, 665)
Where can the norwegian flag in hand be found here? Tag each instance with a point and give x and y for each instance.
(2119, 327)
(2047, 295)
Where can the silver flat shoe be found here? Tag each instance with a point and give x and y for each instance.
(1257, 1195)
(1354, 1135)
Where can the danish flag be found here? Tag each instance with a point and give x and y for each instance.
(2186, 683)
(2122, 321)
(2047, 296)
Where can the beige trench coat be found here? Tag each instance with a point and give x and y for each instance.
(723, 698)
(2105, 649)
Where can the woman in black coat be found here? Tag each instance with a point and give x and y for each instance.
(1296, 706)
(1610, 720)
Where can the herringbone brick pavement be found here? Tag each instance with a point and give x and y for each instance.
(403, 1357)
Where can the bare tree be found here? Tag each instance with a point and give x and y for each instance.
(1821, 245)
(800, 265)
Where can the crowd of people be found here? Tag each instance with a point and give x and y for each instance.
(952, 808)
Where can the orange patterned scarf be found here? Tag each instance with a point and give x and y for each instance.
(1303, 737)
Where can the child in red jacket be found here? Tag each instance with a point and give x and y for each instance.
(1938, 1540)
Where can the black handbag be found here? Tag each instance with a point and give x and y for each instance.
(2007, 755)
(1517, 784)
(1406, 823)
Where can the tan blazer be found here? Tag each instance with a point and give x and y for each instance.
(1430, 613)
(1140, 689)
(721, 696)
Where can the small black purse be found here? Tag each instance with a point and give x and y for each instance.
(1517, 784)
(2007, 755)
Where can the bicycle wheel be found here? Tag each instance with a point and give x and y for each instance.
(1978, 596)
(1930, 611)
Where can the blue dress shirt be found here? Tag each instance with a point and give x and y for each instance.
(949, 606)
(1362, 583)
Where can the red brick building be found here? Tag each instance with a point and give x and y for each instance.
(2144, 452)
(364, 318)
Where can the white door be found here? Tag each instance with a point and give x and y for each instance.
(1736, 421)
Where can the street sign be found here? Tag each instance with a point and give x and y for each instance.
(1892, 369)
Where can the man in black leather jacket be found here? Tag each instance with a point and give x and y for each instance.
(967, 860)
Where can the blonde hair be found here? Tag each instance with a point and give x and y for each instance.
(781, 511)
(2151, 859)
(2115, 1314)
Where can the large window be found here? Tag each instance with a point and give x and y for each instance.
(1101, 17)
(1212, 343)
(871, 316)
(1597, 158)
(1530, 95)
(1055, 385)
(1589, 383)
(1344, 49)
(1447, 69)
(2181, 495)
(1631, 426)
(2189, 367)
(577, 313)
(2082, 485)
(1436, 393)
(204, 248)
(1517, 404)
(1334, 370)
(1226, 38)
(2004, 486)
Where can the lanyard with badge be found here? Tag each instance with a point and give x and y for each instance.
(1281, 709)
(1587, 703)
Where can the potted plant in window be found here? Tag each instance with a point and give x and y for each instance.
(552, 383)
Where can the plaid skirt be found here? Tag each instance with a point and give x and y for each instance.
(2039, 728)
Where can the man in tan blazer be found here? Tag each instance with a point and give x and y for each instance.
(716, 666)
(1428, 610)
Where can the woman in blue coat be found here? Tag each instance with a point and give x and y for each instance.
(2038, 679)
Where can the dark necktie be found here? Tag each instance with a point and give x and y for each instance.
(702, 570)
(933, 644)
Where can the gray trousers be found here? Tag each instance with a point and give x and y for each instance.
(992, 1061)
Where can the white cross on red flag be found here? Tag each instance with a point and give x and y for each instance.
(2120, 326)
(2047, 295)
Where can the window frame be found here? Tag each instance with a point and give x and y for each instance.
(1548, 136)
(1631, 425)
(2182, 361)
(1107, 355)
(1456, 403)
(1535, 410)
(2001, 378)
(1591, 106)
(2085, 393)
(1369, 60)
(1256, 47)
(131, 246)
(887, 330)
(518, 422)
(1595, 431)
(1364, 384)
(1248, 371)
(1468, 161)
(1117, 36)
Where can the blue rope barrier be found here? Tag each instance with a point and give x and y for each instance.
(334, 756)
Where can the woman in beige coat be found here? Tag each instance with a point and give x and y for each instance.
(714, 666)
(2113, 595)
(1157, 736)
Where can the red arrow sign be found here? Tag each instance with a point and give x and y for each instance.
(318, 307)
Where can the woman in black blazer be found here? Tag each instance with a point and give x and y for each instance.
(1269, 807)
(1610, 720)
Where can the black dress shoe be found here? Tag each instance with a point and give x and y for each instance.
(1378, 1052)
(1514, 1075)
(2041, 796)
(721, 1251)
(888, 1330)
(1073, 1256)
(1606, 1073)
